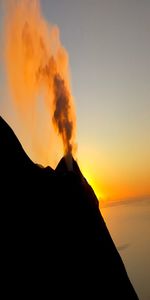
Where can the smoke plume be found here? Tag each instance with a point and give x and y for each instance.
(61, 112)
(38, 68)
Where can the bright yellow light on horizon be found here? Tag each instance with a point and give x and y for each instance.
(92, 181)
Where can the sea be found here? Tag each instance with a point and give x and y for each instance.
(128, 222)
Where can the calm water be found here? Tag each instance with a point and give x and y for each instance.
(129, 226)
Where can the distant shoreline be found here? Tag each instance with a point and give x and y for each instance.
(110, 203)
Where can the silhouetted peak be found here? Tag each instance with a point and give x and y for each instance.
(68, 164)
(55, 221)
(11, 149)
(46, 169)
(62, 166)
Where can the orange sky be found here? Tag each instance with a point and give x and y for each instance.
(113, 177)
(109, 56)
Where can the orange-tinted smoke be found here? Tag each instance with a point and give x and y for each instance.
(37, 66)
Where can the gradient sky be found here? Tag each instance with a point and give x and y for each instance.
(109, 48)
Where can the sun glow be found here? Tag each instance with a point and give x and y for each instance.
(94, 184)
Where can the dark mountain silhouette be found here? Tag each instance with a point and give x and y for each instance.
(54, 241)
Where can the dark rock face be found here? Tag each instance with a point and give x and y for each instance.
(54, 241)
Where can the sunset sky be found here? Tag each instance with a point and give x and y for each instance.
(108, 42)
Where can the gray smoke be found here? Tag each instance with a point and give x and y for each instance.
(61, 112)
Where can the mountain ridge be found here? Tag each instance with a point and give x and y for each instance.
(54, 238)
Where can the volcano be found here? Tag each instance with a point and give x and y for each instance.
(54, 243)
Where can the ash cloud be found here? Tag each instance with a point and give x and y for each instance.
(61, 112)
(37, 67)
